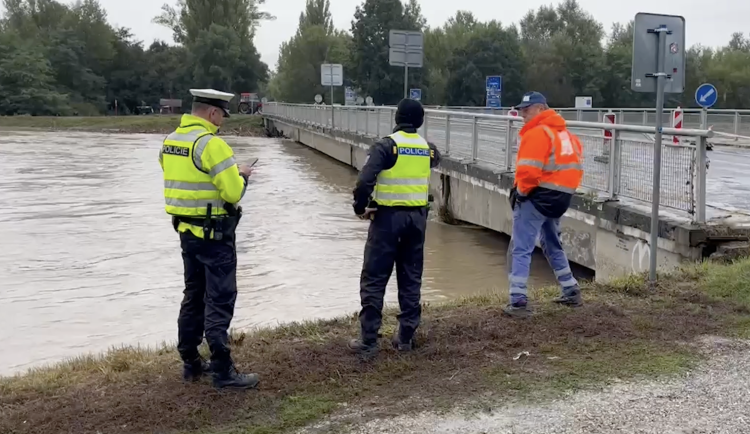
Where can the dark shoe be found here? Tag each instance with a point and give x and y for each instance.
(361, 348)
(193, 371)
(517, 310)
(231, 379)
(401, 346)
(572, 299)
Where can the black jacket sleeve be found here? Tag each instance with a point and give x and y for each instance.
(380, 157)
(435, 155)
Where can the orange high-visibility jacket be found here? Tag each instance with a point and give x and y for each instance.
(549, 156)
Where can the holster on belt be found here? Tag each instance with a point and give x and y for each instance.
(221, 226)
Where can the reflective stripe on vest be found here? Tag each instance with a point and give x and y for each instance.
(188, 188)
(407, 183)
(551, 166)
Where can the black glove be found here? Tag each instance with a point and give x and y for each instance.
(513, 197)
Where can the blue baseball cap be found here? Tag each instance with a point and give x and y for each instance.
(531, 98)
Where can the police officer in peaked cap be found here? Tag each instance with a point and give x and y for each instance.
(203, 186)
(392, 191)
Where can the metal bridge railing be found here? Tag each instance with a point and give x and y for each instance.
(620, 166)
(735, 122)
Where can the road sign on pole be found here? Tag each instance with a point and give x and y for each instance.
(331, 74)
(646, 48)
(415, 94)
(706, 95)
(494, 89)
(657, 69)
(407, 50)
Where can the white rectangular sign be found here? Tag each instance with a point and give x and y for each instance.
(583, 102)
(331, 74)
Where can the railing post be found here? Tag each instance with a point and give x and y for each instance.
(474, 140)
(508, 145)
(736, 124)
(613, 179)
(367, 121)
(701, 172)
(447, 134)
(426, 118)
(377, 113)
(645, 117)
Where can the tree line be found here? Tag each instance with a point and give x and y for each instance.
(60, 59)
(561, 51)
(67, 59)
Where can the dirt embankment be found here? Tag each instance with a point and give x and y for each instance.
(468, 353)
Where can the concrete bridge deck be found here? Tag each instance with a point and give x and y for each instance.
(472, 185)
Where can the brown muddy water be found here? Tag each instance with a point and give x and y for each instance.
(89, 259)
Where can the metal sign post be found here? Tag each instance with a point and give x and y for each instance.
(332, 74)
(706, 96)
(652, 34)
(407, 50)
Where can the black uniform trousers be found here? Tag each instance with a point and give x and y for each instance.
(396, 235)
(209, 297)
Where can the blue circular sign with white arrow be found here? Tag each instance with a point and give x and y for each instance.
(706, 95)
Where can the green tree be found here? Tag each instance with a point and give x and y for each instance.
(370, 68)
(564, 52)
(219, 37)
(488, 50)
(300, 58)
(26, 79)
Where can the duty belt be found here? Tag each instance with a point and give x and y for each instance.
(221, 226)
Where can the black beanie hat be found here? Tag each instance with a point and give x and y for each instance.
(410, 112)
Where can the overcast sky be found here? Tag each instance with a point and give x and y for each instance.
(707, 22)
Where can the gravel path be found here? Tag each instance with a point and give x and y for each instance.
(714, 398)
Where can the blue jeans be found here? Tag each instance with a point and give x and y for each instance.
(528, 224)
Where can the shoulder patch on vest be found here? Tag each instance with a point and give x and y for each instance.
(179, 151)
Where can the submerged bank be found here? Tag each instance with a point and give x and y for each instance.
(468, 353)
(238, 125)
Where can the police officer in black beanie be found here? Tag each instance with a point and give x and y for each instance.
(392, 192)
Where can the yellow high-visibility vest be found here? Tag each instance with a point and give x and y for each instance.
(199, 169)
(407, 183)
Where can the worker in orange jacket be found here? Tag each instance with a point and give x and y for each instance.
(548, 172)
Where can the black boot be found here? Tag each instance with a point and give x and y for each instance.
(194, 370)
(571, 298)
(227, 377)
(402, 345)
(362, 348)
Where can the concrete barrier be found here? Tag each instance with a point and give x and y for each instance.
(610, 238)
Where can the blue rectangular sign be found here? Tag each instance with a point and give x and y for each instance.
(494, 87)
(415, 94)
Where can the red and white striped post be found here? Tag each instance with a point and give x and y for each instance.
(609, 118)
(677, 123)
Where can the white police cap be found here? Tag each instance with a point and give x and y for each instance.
(213, 97)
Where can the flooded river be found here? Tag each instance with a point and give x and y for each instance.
(89, 259)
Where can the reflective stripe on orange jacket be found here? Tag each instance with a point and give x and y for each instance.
(549, 156)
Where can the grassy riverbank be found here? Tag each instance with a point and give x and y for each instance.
(241, 125)
(468, 354)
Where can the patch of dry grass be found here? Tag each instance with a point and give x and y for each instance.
(467, 350)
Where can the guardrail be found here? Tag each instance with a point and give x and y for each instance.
(614, 167)
(728, 121)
